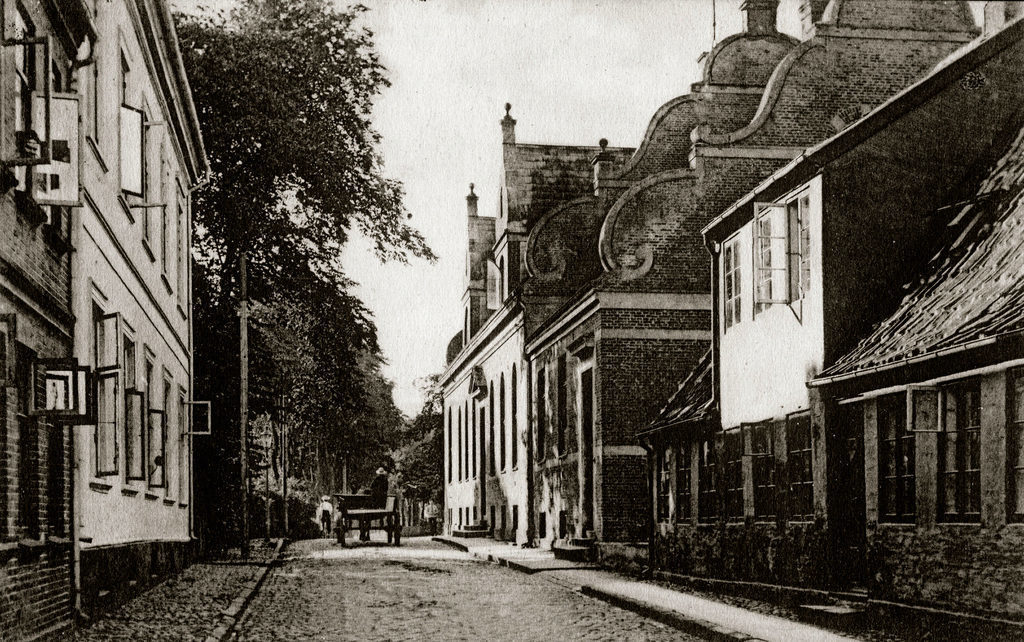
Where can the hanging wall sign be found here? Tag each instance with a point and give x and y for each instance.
(56, 183)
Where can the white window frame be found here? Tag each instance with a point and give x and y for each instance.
(732, 279)
(781, 251)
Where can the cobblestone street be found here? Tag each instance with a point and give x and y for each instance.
(425, 591)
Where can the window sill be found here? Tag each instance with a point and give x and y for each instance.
(149, 250)
(182, 504)
(167, 283)
(949, 522)
(129, 492)
(151, 497)
(100, 487)
(125, 208)
(169, 502)
(94, 146)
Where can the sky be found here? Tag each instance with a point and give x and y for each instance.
(574, 71)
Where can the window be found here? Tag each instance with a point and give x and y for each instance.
(896, 487)
(471, 466)
(24, 84)
(28, 443)
(731, 288)
(104, 359)
(542, 524)
(1015, 438)
(542, 411)
(782, 255)
(707, 484)
(155, 437)
(492, 450)
(960, 453)
(684, 507)
(515, 419)
(734, 474)
(161, 195)
(515, 520)
(770, 280)
(501, 423)
(94, 101)
(664, 482)
(132, 144)
(563, 410)
(798, 466)
(461, 449)
(134, 416)
(762, 451)
(483, 447)
(55, 476)
(501, 281)
(798, 217)
(451, 453)
(170, 442)
(181, 265)
(184, 459)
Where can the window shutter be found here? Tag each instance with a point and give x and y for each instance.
(57, 182)
(132, 137)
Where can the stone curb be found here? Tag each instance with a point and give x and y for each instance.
(676, 620)
(230, 616)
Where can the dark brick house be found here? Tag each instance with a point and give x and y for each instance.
(854, 428)
(36, 323)
(629, 258)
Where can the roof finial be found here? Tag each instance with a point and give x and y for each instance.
(471, 190)
(508, 126)
(508, 108)
(603, 143)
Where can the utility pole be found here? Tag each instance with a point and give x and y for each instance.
(243, 355)
(284, 470)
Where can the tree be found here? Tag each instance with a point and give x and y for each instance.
(284, 90)
(419, 458)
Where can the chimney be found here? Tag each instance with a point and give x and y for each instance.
(999, 14)
(810, 14)
(508, 127)
(471, 199)
(759, 16)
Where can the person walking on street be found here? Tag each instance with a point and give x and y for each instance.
(430, 514)
(325, 511)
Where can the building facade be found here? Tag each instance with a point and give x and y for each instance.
(635, 274)
(37, 59)
(142, 156)
(877, 435)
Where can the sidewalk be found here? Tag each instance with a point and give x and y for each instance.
(676, 608)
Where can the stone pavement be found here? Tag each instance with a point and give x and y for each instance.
(187, 606)
(424, 590)
(684, 611)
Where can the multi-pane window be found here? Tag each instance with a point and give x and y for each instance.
(502, 436)
(28, 443)
(960, 453)
(799, 467)
(896, 461)
(684, 495)
(542, 411)
(782, 256)
(458, 453)
(1015, 437)
(104, 359)
(134, 416)
(515, 418)
(762, 451)
(664, 483)
(733, 474)
(451, 453)
(798, 215)
(483, 446)
(731, 278)
(707, 483)
(770, 263)
(160, 194)
(563, 402)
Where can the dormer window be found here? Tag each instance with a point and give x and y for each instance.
(782, 258)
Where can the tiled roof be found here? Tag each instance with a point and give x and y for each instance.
(973, 287)
(693, 401)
